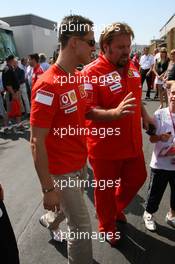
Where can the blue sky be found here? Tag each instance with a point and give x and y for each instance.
(145, 17)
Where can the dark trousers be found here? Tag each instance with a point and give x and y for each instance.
(158, 182)
(148, 80)
(28, 91)
(8, 246)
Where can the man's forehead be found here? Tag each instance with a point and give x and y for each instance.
(172, 89)
(122, 38)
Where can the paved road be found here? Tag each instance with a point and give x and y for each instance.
(24, 204)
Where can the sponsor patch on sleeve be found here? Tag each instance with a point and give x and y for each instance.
(44, 97)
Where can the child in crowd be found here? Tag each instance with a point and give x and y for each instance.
(162, 163)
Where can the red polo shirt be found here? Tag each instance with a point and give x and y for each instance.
(106, 91)
(37, 71)
(60, 107)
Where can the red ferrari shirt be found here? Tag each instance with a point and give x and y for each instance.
(118, 139)
(37, 71)
(61, 108)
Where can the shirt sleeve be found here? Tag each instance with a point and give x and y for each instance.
(7, 78)
(91, 87)
(44, 105)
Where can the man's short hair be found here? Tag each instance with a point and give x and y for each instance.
(34, 56)
(115, 29)
(10, 57)
(163, 50)
(23, 59)
(42, 57)
(73, 25)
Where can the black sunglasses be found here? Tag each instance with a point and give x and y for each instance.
(90, 42)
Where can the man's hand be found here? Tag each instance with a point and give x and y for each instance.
(125, 107)
(1, 193)
(161, 78)
(51, 201)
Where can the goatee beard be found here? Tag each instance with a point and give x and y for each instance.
(120, 65)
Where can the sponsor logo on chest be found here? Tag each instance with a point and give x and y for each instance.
(82, 91)
(116, 88)
(112, 77)
(133, 74)
(68, 99)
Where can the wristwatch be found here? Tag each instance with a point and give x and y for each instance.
(48, 190)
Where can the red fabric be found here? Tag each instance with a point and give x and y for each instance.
(66, 109)
(114, 157)
(37, 71)
(135, 60)
(15, 109)
(129, 143)
(112, 201)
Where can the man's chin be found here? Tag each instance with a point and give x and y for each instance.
(86, 61)
(122, 63)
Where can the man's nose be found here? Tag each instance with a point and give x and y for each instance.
(93, 48)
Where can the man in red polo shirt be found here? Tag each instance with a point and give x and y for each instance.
(117, 155)
(37, 70)
(59, 152)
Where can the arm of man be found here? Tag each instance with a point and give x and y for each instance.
(146, 118)
(39, 153)
(8, 81)
(151, 58)
(150, 70)
(126, 107)
(10, 90)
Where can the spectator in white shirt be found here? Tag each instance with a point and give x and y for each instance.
(146, 65)
(43, 63)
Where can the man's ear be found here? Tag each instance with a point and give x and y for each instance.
(73, 42)
(105, 47)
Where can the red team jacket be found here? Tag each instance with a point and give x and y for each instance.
(107, 93)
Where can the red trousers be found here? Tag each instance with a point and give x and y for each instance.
(110, 200)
